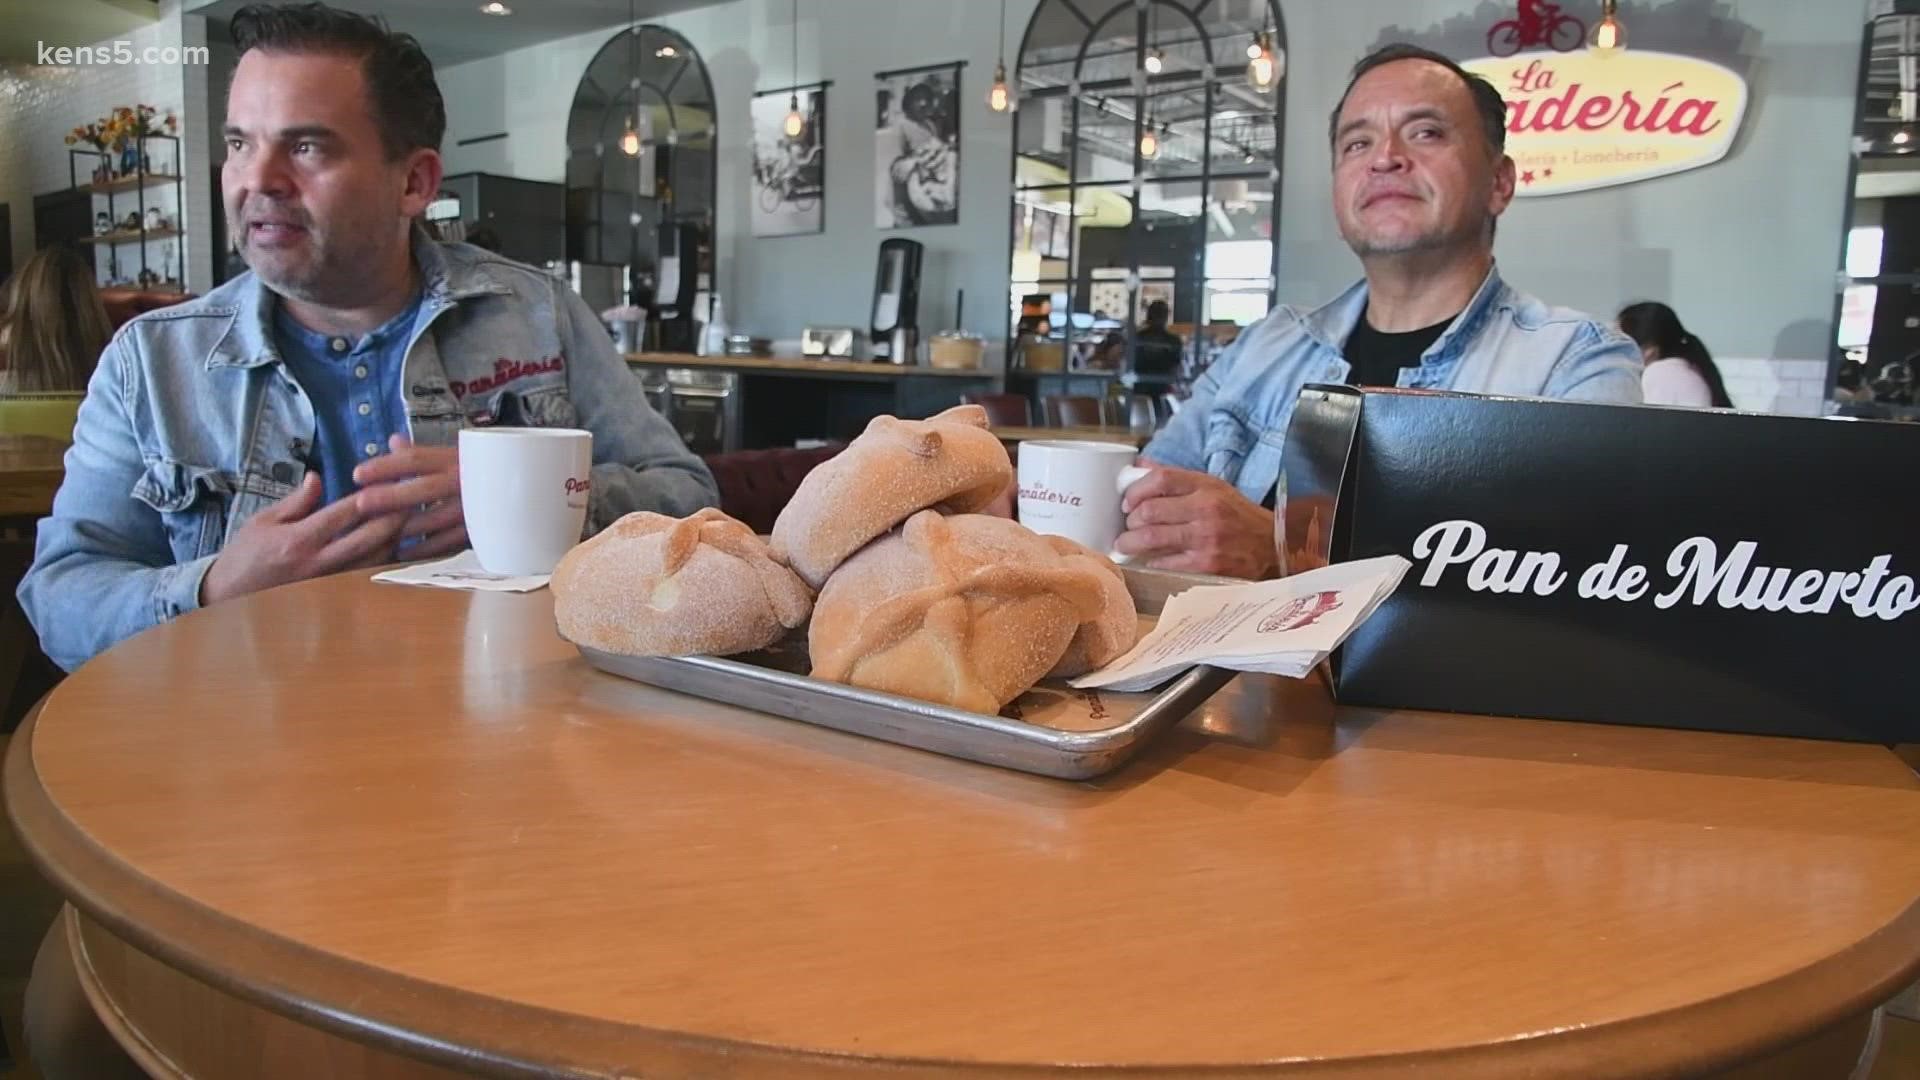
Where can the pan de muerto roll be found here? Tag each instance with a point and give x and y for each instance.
(968, 611)
(1107, 636)
(651, 585)
(895, 469)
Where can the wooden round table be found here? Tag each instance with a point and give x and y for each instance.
(346, 829)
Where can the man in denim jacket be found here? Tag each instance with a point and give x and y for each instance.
(1420, 174)
(303, 418)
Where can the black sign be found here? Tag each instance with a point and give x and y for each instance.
(1673, 567)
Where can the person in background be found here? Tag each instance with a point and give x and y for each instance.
(1850, 383)
(1420, 176)
(1680, 370)
(303, 418)
(1156, 350)
(53, 325)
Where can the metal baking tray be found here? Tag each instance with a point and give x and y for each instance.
(1086, 733)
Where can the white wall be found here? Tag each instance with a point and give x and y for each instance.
(775, 286)
(39, 105)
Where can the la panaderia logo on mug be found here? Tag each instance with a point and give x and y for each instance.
(1298, 612)
(577, 491)
(1041, 493)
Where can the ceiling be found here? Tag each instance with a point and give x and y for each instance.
(454, 31)
(1890, 88)
(24, 24)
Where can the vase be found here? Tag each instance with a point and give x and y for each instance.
(129, 160)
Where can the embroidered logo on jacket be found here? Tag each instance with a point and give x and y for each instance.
(504, 372)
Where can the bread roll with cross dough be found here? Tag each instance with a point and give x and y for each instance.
(651, 585)
(968, 611)
(1109, 634)
(893, 470)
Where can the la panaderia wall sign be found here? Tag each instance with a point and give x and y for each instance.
(1583, 119)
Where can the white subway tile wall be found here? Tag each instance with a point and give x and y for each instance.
(40, 105)
(1793, 387)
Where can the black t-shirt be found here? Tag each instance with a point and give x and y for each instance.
(1377, 357)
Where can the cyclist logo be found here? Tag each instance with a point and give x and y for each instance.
(1299, 612)
(1536, 23)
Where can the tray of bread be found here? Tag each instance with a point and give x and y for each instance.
(886, 604)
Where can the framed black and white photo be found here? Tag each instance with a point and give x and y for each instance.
(789, 171)
(916, 147)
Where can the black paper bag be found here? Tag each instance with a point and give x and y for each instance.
(1674, 567)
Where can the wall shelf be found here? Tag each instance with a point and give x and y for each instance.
(132, 183)
(133, 187)
(131, 236)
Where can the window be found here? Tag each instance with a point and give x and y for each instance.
(1131, 187)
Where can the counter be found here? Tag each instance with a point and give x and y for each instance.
(777, 400)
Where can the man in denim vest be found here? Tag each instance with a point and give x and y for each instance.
(1420, 174)
(302, 419)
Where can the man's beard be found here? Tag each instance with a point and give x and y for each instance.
(322, 270)
(1437, 239)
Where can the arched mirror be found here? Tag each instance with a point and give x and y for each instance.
(1146, 180)
(1877, 354)
(640, 153)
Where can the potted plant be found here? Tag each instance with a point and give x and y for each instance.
(124, 125)
(94, 134)
(140, 123)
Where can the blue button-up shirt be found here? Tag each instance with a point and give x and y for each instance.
(355, 389)
(1504, 342)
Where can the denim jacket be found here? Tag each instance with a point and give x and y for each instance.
(192, 424)
(1504, 342)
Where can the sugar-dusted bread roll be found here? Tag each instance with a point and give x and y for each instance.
(651, 585)
(1108, 635)
(893, 470)
(968, 611)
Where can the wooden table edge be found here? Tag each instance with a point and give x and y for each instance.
(459, 1028)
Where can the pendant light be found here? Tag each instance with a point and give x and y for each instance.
(1265, 65)
(1609, 35)
(795, 123)
(630, 141)
(999, 96)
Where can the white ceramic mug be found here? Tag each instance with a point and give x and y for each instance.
(1073, 489)
(524, 491)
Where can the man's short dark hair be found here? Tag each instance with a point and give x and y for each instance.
(402, 93)
(1486, 99)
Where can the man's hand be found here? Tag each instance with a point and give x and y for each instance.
(1182, 520)
(422, 483)
(296, 539)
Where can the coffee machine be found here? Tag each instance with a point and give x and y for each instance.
(896, 302)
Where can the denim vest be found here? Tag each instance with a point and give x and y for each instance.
(192, 425)
(1504, 342)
